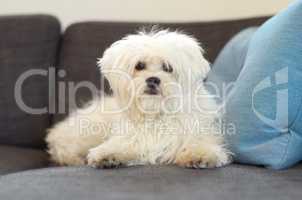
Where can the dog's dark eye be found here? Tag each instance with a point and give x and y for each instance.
(167, 68)
(140, 66)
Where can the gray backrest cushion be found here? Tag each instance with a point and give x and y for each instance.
(26, 42)
(84, 42)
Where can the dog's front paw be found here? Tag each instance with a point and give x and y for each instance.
(96, 159)
(201, 158)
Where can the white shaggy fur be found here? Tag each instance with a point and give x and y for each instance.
(136, 127)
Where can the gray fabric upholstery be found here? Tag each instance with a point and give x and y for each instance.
(14, 159)
(27, 42)
(31, 42)
(84, 42)
(149, 183)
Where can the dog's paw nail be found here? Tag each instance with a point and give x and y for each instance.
(103, 162)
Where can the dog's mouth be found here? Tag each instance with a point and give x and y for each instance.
(152, 91)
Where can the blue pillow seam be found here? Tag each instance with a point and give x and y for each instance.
(289, 141)
(294, 121)
(283, 158)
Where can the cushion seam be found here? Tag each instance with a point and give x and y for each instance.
(282, 161)
(283, 157)
(295, 119)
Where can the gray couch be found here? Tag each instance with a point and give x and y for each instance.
(36, 42)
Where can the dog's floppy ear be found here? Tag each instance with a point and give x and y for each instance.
(105, 64)
(189, 54)
(105, 86)
(194, 53)
(200, 66)
(114, 66)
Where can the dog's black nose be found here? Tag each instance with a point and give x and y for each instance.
(153, 81)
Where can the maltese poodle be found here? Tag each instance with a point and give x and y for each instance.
(159, 113)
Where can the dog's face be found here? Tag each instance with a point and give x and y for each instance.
(150, 72)
(155, 83)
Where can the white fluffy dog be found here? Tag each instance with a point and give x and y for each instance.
(159, 112)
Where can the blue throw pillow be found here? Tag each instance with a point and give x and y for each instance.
(264, 104)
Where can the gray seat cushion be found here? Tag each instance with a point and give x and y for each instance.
(27, 43)
(144, 183)
(14, 159)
